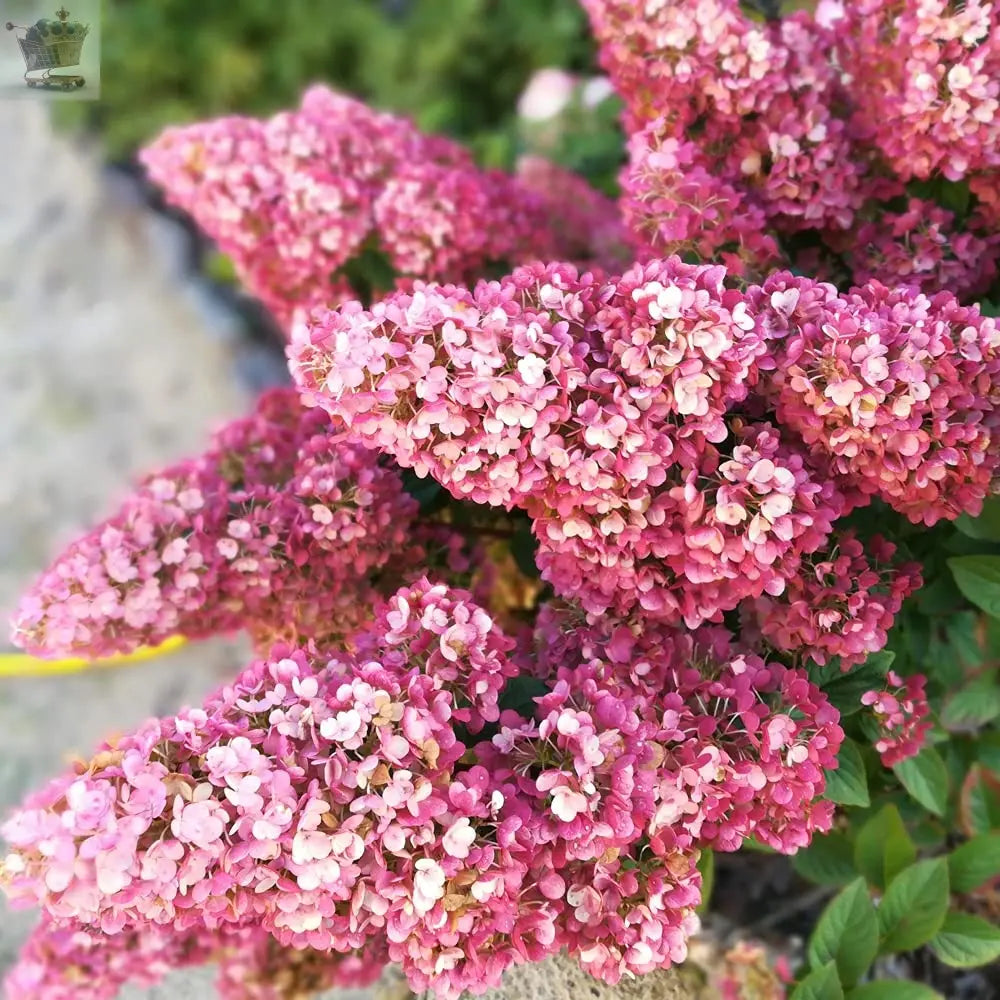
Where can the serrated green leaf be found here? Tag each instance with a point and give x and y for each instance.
(894, 989)
(939, 647)
(848, 784)
(973, 706)
(823, 674)
(369, 271)
(978, 577)
(926, 778)
(828, 860)
(219, 267)
(975, 863)
(963, 635)
(821, 984)
(913, 908)
(991, 646)
(883, 848)
(941, 596)
(966, 941)
(954, 196)
(847, 933)
(751, 844)
(428, 493)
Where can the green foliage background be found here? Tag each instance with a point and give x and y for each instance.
(456, 66)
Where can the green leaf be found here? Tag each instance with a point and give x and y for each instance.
(845, 690)
(821, 984)
(926, 778)
(519, 694)
(973, 706)
(988, 752)
(978, 577)
(848, 784)
(883, 847)
(428, 493)
(979, 801)
(523, 547)
(966, 941)
(220, 268)
(940, 596)
(975, 863)
(706, 865)
(894, 989)
(914, 906)
(752, 844)
(963, 635)
(986, 526)
(828, 860)
(847, 933)
(369, 271)
(954, 196)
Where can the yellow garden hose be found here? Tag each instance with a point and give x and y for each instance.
(23, 665)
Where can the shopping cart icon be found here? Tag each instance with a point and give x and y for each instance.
(48, 45)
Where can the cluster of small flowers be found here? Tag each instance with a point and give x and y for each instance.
(744, 742)
(740, 131)
(262, 969)
(898, 391)
(320, 805)
(902, 715)
(681, 207)
(72, 961)
(344, 804)
(756, 99)
(277, 528)
(617, 412)
(921, 246)
(986, 188)
(685, 439)
(587, 223)
(294, 199)
(840, 603)
(925, 82)
(730, 524)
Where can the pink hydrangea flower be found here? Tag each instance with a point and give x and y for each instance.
(269, 530)
(895, 390)
(930, 101)
(841, 603)
(901, 712)
(296, 199)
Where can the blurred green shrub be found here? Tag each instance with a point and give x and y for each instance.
(457, 66)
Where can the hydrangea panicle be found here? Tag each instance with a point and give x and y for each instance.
(902, 714)
(841, 603)
(300, 199)
(276, 528)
